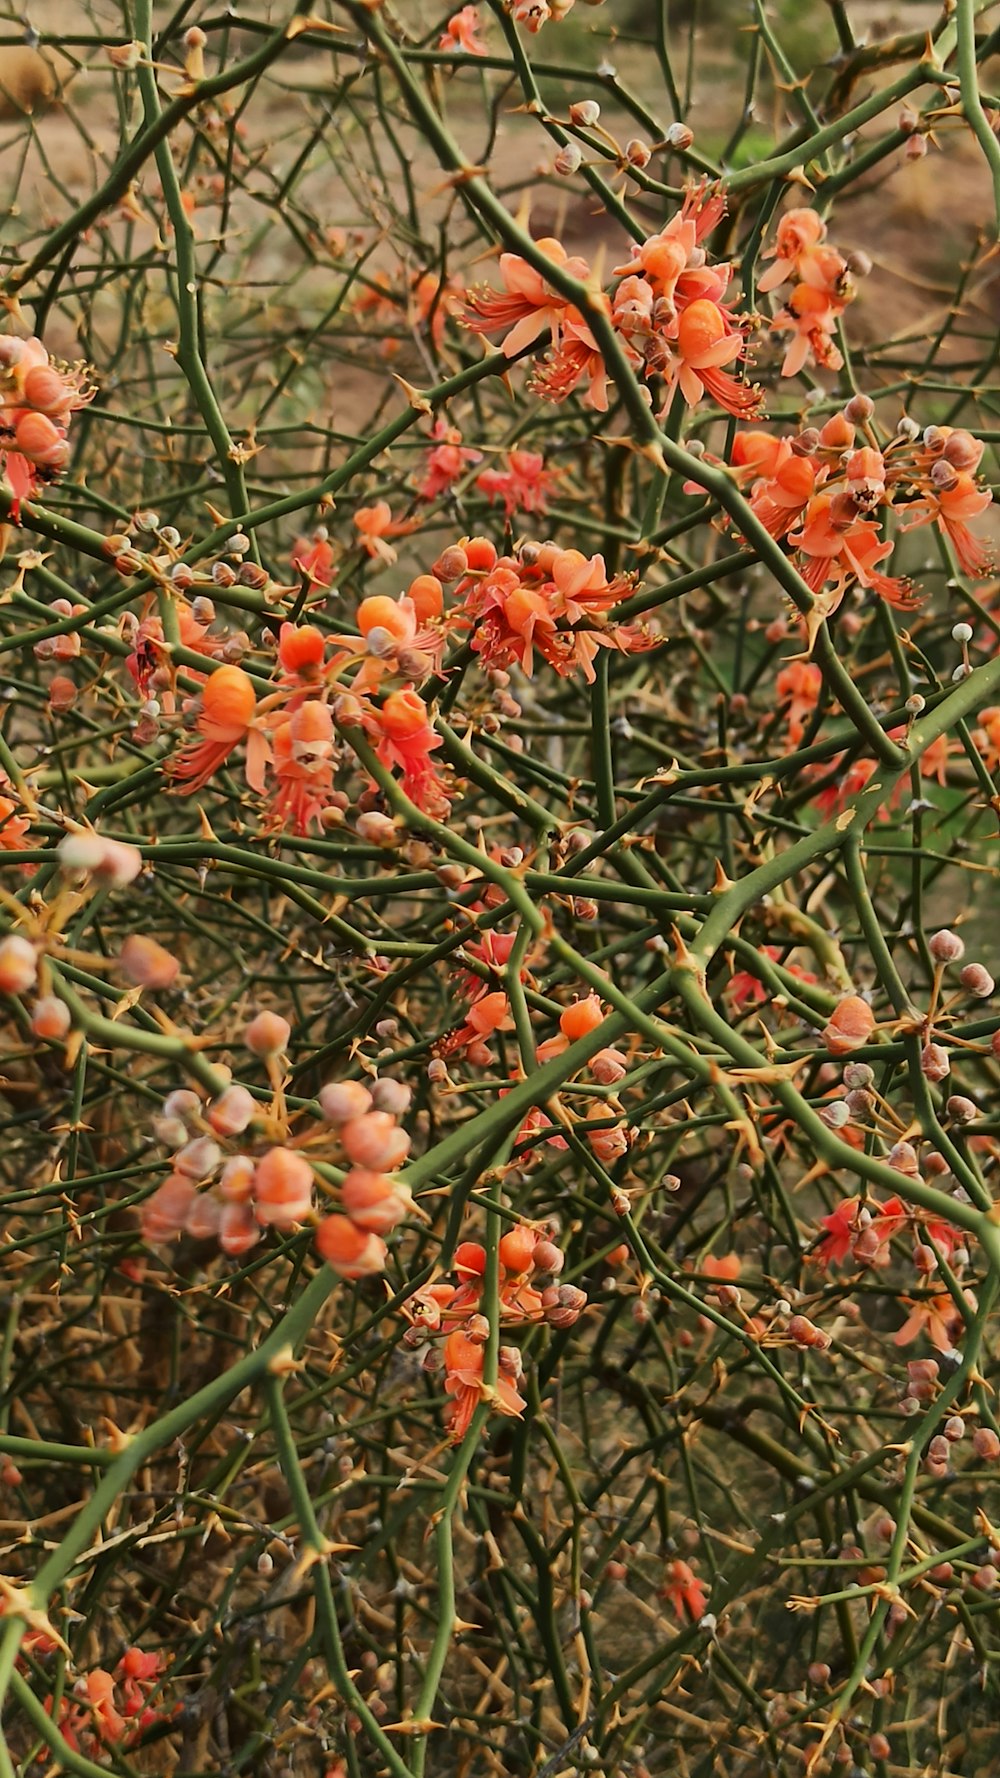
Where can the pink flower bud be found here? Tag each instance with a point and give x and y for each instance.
(236, 1179)
(608, 1067)
(986, 1444)
(341, 1100)
(850, 1025)
(164, 1215)
(199, 1158)
(935, 1063)
(946, 946)
(238, 1229)
(232, 1111)
(147, 964)
(376, 1141)
(563, 1304)
(50, 1018)
(377, 830)
(391, 1096)
(977, 980)
(282, 1187)
(267, 1034)
(204, 1217)
(109, 862)
(373, 1201)
(18, 965)
(962, 1110)
(349, 1250)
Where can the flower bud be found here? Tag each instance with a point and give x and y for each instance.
(451, 564)
(282, 1188)
(935, 1063)
(563, 1304)
(859, 1074)
(267, 1034)
(608, 1067)
(977, 980)
(391, 1096)
(109, 862)
(18, 965)
(50, 1018)
(548, 1259)
(962, 1110)
(946, 947)
(859, 409)
(377, 830)
(199, 1158)
(374, 1201)
(851, 1024)
(679, 137)
(902, 1157)
(585, 113)
(232, 1111)
(340, 1100)
(146, 964)
(375, 1140)
(236, 1179)
(569, 159)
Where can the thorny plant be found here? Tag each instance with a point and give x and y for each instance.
(501, 713)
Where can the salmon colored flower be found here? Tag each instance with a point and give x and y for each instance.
(801, 253)
(313, 557)
(408, 740)
(375, 524)
(842, 1228)
(779, 499)
(434, 300)
(462, 33)
(527, 306)
(464, 1358)
(303, 753)
(446, 461)
(524, 486)
(225, 718)
(574, 360)
(838, 547)
(811, 317)
(13, 827)
(684, 1592)
(950, 505)
(938, 1317)
(706, 341)
(489, 1013)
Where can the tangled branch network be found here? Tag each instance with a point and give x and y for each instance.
(498, 859)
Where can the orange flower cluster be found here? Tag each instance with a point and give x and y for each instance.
(669, 312)
(37, 399)
(828, 493)
(110, 1709)
(530, 1263)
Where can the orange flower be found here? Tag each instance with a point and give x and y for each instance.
(376, 523)
(684, 1592)
(706, 341)
(527, 305)
(461, 33)
(225, 718)
(408, 740)
(936, 1316)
